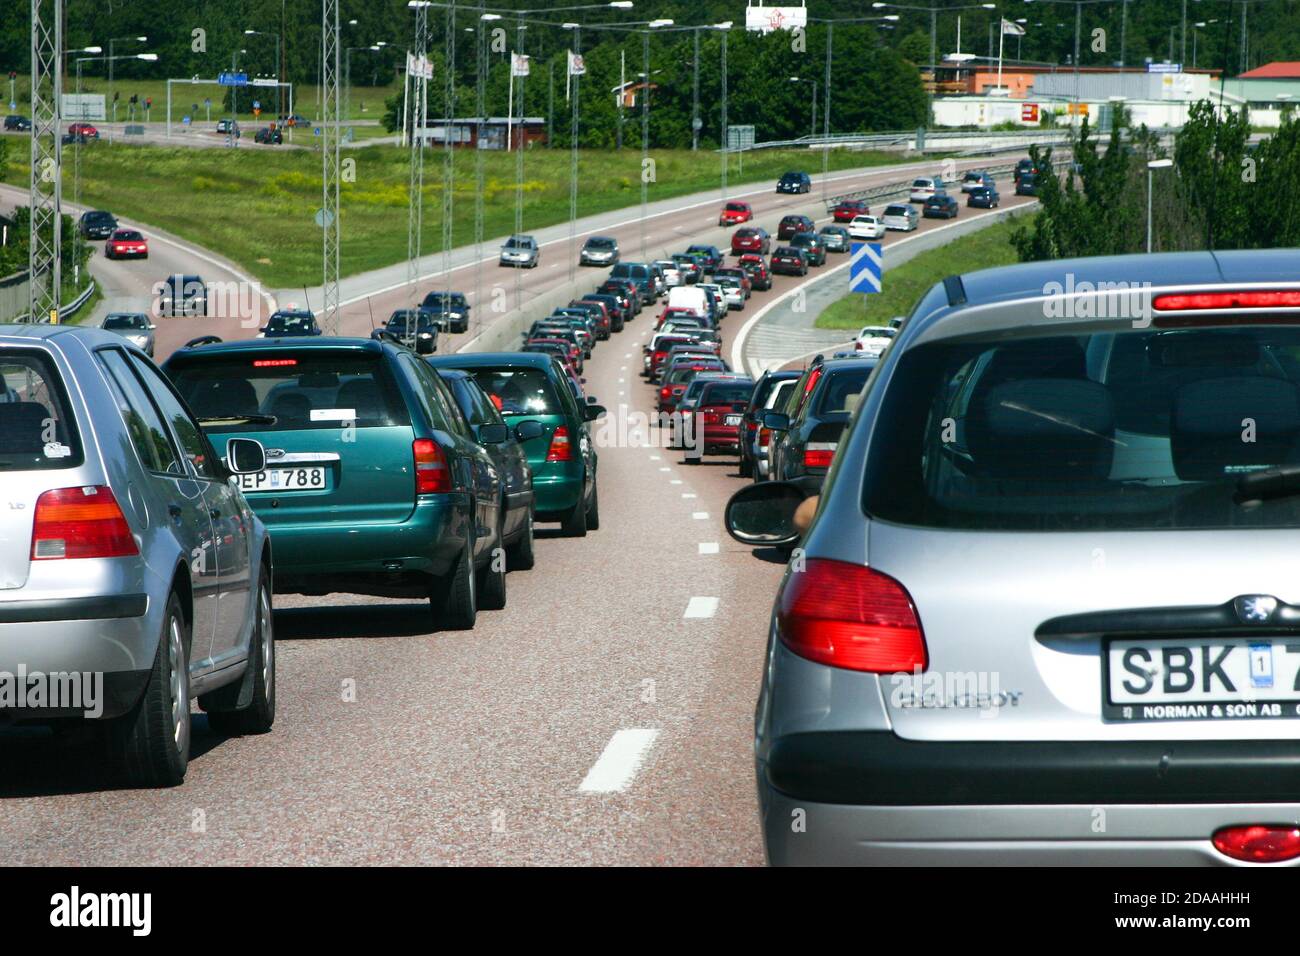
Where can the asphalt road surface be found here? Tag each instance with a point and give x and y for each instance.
(603, 717)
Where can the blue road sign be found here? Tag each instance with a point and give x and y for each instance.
(864, 267)
(232, 79)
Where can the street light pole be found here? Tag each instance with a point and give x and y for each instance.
(1151, 166)
(695, 96)
(110, 68)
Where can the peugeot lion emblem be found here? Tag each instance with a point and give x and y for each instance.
(1255, 608)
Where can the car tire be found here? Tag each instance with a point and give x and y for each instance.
(746, 467)
(454, 598)
(575, 525)
(593, 509)
(151, 742)
(492, 579)
(522, 555)
(257, 716)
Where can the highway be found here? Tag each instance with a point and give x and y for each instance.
(603, 717)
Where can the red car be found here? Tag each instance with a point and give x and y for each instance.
(603, 322)
(83, 129)
(662, 344)
(751, 239)
(126, 243)
(677, 378)
(759, 277)
(734, 213)
(718, 417)
(845, 211)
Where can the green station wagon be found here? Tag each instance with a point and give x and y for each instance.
(374, 482)
(528, 386)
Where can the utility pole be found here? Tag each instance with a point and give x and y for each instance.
(573, 151)
(695, 96)
(415, 186)
(726, 139)
(331, 132)
(45, 193)
(826, 113)
(448, 150)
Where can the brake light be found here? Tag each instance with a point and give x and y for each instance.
(273, 363)
(1259, 843)
(432, 476)
(1263, 299)
(665, 392)
(857, 346)
(764, 437)
(711, 418)
(81, 522)
(812, 380)
(818, 454)
(561, 448)
(849, 616)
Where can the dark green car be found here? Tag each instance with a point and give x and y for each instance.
(375, 483)
(528, 386)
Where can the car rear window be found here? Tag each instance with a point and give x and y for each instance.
(37, 430)
(519, 390)
(726, 393)
(841, 386)
(897, 210)
(301, 390)
(1132, 430)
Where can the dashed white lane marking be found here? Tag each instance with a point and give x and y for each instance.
(700, 515)
(622, 394)
(621, 381)
(626, 355)
(619, 761)
(700, 607)
(687, 494)
(655, 458)
(708, 547)
(675, 481)
(665, 468)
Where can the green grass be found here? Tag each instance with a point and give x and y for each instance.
(256, 207)
(904, 286)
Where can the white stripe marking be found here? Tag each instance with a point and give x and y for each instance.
(619, 761)
(675, 481)
(701, 607)
(700, 515)
(708, 547)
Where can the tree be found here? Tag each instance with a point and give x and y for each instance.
(915, 47)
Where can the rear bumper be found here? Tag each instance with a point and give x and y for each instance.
(1073, 834)
(557, 488)
(425, 543)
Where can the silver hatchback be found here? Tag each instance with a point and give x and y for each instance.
(133, 574)
(1048, 610)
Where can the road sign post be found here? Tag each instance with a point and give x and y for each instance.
(865, 267)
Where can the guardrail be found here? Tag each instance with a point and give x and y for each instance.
(908, 138)
(14, 292)
(896, 190)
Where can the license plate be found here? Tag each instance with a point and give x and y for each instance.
(284, 479)
(1195, 678)
(731, 420)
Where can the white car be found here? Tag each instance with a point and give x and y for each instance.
(874, 339)
(672, 275)
(866, 227)
(733, 292)
(923, 187)
(901, 216)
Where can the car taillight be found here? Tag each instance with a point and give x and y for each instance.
(711, 418)
(857, 346)
(812, 380)
(83, 522)
(561, 448)
(818, 454)
(432, 476)
(665, 392)
(751, 427)
(846, 615)
(1263, 299)
(1259, 843)
(764, 437)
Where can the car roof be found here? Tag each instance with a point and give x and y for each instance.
(491, 359)
(45, 332)
(280, 345)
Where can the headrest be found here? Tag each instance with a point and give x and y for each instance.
(1221, 427)
(1042, 428)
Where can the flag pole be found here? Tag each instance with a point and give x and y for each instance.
(510, 108)
(1002, 38)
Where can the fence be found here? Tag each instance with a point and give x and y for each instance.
(15, 298)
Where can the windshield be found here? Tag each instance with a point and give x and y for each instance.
(726, 393)
(600, 243)
(126, 322)
(518, 390)
(322, 389)
(1133, 430)
(127, 235)
(290, 323)
(516, 243)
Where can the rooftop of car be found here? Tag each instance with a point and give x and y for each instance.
(281, 345)
(491, 359)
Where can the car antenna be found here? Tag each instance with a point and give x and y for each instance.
(372, 313)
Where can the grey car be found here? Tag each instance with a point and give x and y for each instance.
(1047, 611)
(135, 327)
(132, 570)
(522, 252)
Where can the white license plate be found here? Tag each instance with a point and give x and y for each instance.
(285, 479)
(731, 420)
(1203, 678)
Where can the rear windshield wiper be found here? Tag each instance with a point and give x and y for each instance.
(251, 419)
(1258, 486)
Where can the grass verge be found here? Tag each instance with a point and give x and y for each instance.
(256, 206)
(904, 286)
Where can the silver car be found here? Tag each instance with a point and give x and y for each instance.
(1048, 610)
(133, 574)
(521, 252)
(135, 327)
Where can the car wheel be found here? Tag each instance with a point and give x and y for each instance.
(575, 525)
(593, 509)
(492, 579)
(746, 467)
(151, 742)
(522, 556)
(454, 597)
(257, 716)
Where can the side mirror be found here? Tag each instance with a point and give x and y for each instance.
(493, 433)
(525, 431)
(593, 412)
(776, 421)
(591, 399)
(245, 456)
(152, 327)
(763, 514)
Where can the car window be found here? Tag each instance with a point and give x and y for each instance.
(519, 390)
(441, 397)
(1045, 437)
(126, 322)
(194, 444)
(302, 389)
(143, 421)
(37, 431)
(726, 393)
(841, 387)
